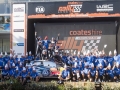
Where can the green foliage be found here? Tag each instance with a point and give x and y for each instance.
(16, 85)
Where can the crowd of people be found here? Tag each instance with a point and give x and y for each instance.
(92, 65)
(19, 68)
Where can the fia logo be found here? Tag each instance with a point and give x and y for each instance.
(40, 9)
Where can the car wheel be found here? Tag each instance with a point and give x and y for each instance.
(46, 73)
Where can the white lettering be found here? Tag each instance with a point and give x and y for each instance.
(77, 8)
(104, 8)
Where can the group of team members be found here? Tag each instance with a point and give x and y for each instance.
(92, 66)
(47, 48)
(13, 67)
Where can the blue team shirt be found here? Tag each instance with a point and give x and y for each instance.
(101, 60)
(17, 74)
(92, 72)
(11, 72)
(30, 58)
(65, 73)
(101, 71)
(64, 58)
(74, 70)
(37, 58)
(33, 74)
(85, 71)
(116, 58)
(110, 73)
(20, 69)
(89, 59)
(11, 61)
(46, 43)
(5, 72)
(2, 63)
(110, 60)
(84, 59)
(30, 69)
(6, 59)
(116, 71)
(22, 59)
(24, 74)
(80, 63)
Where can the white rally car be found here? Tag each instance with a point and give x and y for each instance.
(46, 69)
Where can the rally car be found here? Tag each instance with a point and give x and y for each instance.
(46, 69)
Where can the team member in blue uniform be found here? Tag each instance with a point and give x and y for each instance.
(81, 66)
(85, 72)
(22, 59)
(30, 69)
(65, 75)
(30, 57)
(69, 60)
(89, 57)
(2, 63)
(5, 72)
(110, 59)
(20, 67)
(26, 56)
(100, 73)
(44, 53)
(75, 72)
(92, 73)
(17, 74)
(18, 62)
(46, 42)
(116, 71)
(101, 60)
(24, 75)
(116, 58)
(34, 75)
(16, 57)
(12, 70)
(64, 58)
(109, 73)
(6, 58)
(11, 60)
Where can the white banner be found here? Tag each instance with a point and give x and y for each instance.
(18, 28)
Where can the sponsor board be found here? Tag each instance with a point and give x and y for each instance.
(73, 9)
(18, 24)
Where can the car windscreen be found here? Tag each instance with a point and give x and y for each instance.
(36, 63)
(49, 64)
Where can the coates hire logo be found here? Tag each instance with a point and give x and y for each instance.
(85, 32)
(72, 7)
(19, 9)
(104, 8)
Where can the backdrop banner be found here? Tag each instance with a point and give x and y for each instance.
(74, 9)
(18, 28)
(80, 36)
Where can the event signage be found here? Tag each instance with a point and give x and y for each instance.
(74, 9)
(18, 28)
